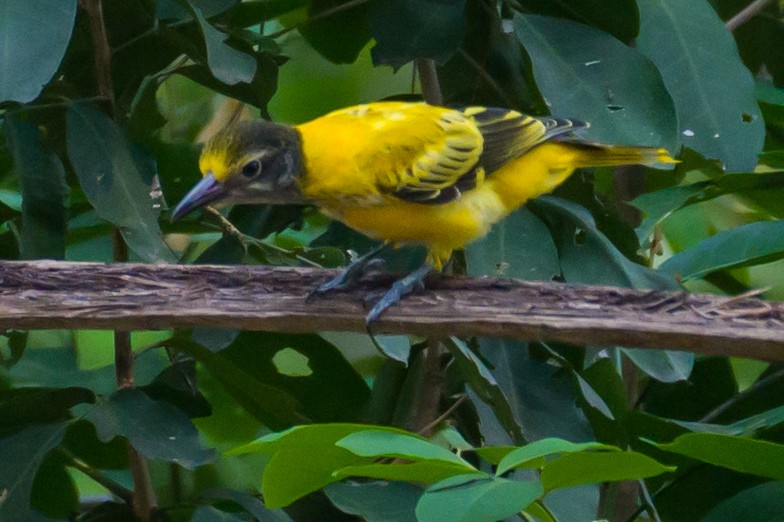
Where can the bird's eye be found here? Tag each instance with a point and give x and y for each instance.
(251, 169)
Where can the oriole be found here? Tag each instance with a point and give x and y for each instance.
(403, 172)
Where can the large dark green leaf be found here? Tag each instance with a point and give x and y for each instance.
(746, 245)
(35, 36)
(54, 492)
(44, 192)
(543, 399)
(337, 32)
(376, 501)
(158, 430)
(481, 379)
(662, 365)
(476, 498)
(23, 453)
(408, 29)
(588, 257)
(520, 246)
(270, 405)
(117, 184)
(620, 18)
(587, 74)
(712, 89)
(22, 406)
(228, 64)
(306, 367)
(174, 10)
(757, 504)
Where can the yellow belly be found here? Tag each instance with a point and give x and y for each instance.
(441, 228)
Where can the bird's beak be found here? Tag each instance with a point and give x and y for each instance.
(205, 191)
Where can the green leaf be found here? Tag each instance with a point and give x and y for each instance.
(520, 246)
(595, 260)
(114, 180)
(405, 30)
(54, 492)
(212, 514)
(757, 504)
(303, 460)
(158, 430)
(745, 245)
(249, 503)
(542, 448)
(621, 18)
(424, 472)
(757, 457)
(332, 392)
(35, 37)
(481, 379)
(376, 501)
(227, 64)
(396, 347)
(384, 443)
(22, 406)
(660, 204)
(44, 192)
(340, 36)
(712, 89)
(476, 498)
(173, 9)
(587, 74)
(23, 452)
(662, 365)
(270, 405)
(574, 469)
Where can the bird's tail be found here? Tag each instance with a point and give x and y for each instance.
(594, 155)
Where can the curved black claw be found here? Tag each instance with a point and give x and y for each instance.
(352, 275)
(401, 288)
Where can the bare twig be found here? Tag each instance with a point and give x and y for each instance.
(428, 79)
(143, 498)
(735, 399)
(318, 16)
(747, 13)
(116, 489)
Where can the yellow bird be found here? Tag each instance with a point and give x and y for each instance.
(403, 173)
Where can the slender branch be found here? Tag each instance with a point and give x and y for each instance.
(428, 79)
(735, 399)
(116, 489)
(441, 418)
(429, 385)
(747, 13)
(647, 502)
(143, 498)
(487, 78)
(318, 16)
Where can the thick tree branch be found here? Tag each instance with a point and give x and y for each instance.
(46, 294)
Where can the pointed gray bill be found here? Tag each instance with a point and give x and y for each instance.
(204, 192)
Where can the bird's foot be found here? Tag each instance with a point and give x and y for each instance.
(352, 275)
(414, 281)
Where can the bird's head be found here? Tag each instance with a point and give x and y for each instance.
(248, 162)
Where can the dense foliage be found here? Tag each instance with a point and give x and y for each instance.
(96, 137)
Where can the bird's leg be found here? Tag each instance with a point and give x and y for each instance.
(351, 276)
(401, 288)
